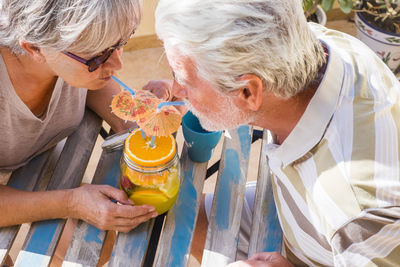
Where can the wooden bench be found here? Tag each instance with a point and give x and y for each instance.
(164, 241)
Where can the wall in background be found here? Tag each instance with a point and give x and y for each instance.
(145, 36)
(146, 27)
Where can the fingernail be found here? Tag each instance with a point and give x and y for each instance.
(151, 209)
(155, 214)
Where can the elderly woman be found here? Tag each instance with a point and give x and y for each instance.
(56, 58)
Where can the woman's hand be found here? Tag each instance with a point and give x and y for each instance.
(92, 203)
(263, 259)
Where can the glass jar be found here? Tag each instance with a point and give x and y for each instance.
(150, 175)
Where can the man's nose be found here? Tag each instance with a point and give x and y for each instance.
(178, 90)
(114, 62)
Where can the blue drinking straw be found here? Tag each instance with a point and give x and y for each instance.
(163, 104)
(143, 134)
(153, 138)
(126, 87)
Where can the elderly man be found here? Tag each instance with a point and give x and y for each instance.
(333, 105)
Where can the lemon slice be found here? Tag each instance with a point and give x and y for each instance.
(171, 187)
(153, 197)
(149, 197)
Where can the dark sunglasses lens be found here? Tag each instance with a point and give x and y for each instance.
(95, 63)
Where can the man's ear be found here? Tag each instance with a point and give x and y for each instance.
(33, 51)
(252, 93)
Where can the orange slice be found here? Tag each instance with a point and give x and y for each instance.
(139, 178)
(140, 152)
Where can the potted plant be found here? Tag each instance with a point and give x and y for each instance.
(314, 8)
(378, 26)
(314, 12)
(377, 23)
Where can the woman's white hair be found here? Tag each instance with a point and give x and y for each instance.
(81, 26)
(229, 38)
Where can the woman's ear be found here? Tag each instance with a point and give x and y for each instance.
(33, 51)
(251, 94)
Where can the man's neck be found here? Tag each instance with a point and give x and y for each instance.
(280, 116)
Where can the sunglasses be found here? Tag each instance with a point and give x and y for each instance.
(95, 62)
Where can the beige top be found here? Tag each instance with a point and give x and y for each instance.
(23, 135)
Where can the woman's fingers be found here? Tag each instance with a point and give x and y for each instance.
(93, 204)
(116, 194)
(130, 212)
(121, 223)
(127, 223)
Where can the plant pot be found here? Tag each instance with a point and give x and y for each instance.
(321, 15)
(385, 44)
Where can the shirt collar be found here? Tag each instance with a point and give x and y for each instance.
(312, 125)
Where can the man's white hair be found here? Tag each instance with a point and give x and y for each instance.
(81, 26)
(229, 38)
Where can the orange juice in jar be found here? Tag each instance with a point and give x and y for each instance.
(150, 175)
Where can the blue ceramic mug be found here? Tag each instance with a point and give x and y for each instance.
(200, 142)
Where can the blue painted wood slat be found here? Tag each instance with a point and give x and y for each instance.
(24, 178)
(43, 236)
(224, 223)
(176, 238)
(130, 248)
(266, 233)
(87, 240)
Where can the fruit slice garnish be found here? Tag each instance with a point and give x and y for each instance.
(171, 187)
(149, 197)
(147, 179)
(139, 150)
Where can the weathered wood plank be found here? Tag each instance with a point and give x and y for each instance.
(176, 238)
(226, 211)
(130, 248)
(266, 233)
(24, 178)
(87, 240)
(43, 236)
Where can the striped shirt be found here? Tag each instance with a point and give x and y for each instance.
(336, 176)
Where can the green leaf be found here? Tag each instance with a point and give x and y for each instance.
(327, 4)
(307, 4)
(346, 5)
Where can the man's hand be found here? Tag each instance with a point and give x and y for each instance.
(161, 88)
(263, 259)
(92, 203)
